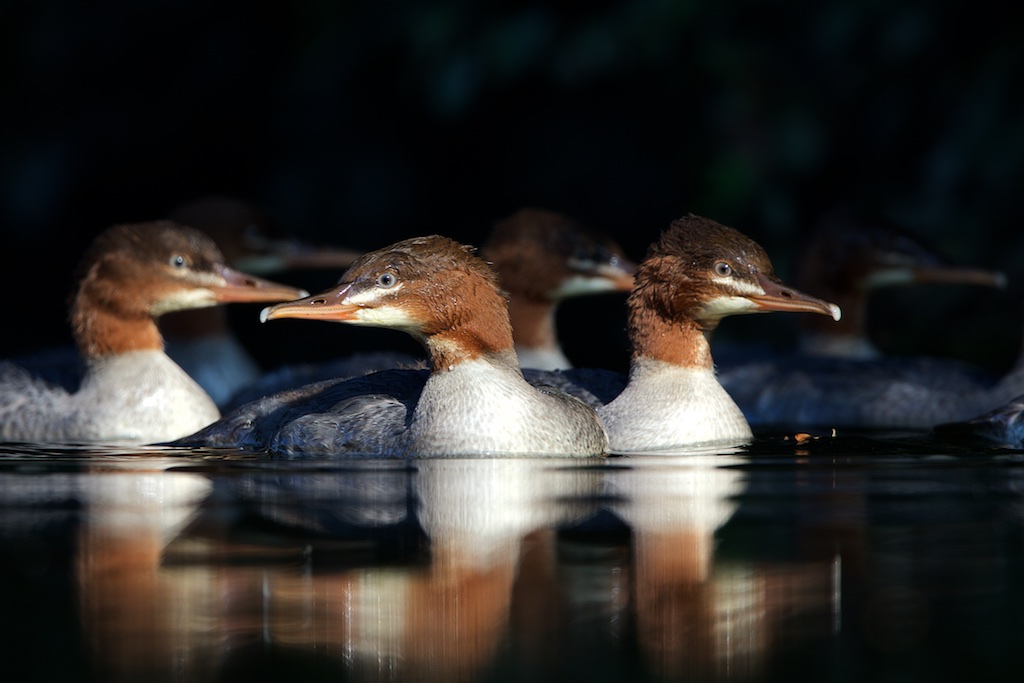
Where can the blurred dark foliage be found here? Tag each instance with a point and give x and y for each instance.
(360, 123)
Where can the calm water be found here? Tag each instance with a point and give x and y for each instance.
(838, 559)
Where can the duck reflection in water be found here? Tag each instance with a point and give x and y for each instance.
(447, 569)
(694, 615)
(210, 606)
(139, 617)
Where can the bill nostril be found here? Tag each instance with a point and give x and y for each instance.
(318, 302)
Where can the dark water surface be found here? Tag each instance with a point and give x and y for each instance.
(836, 559)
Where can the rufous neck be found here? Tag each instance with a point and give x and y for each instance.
(445, 356)
(533, 324)
(100, 330)
(471, 327)
(684, 343)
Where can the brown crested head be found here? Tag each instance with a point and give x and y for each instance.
(132, 268)
(252, 241)
(133, 273)
(545, 256)
(849, 254)
(699, 272)
(238, 227)
(846, 253)
(695, 261)
(432, 287)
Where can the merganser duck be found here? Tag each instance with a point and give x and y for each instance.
(841, 379)
(878, 395)
(201, 340)
(847, 259)
(131, 391)
(698, 273)
(543, 257)
(474, 399)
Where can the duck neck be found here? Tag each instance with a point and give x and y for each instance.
(101, 329)
(458, 338)
(533, 324)
(684, 343)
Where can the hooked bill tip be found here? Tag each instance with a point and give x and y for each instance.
(837, 312)
(265, 314)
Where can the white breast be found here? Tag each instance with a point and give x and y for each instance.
(139, 397)
(666, 407)
(481, 407)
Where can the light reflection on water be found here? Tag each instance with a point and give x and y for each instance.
(836, 559)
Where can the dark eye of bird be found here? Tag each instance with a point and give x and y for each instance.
(723, 269)
(178, 261)
(386, 280)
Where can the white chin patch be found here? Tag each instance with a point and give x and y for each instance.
(581, 285)
(887, 278)
(393, 317)
(183, 300)
(728, 305)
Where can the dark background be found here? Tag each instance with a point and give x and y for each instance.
(360, 123)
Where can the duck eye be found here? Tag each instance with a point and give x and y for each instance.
(178, 261)
(723, 269)
(386, 280)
